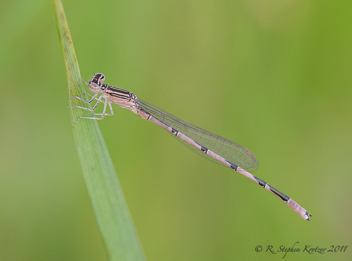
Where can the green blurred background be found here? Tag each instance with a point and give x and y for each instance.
(274, 76)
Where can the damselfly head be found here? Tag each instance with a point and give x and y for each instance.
(95, 85)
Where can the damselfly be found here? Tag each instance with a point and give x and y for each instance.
(213, 147)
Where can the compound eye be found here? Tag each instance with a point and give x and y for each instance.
(99, 77)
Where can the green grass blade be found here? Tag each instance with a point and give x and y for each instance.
(110, 208)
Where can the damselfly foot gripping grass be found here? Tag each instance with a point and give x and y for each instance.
(213, 147)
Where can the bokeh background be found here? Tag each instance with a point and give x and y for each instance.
(274, 76)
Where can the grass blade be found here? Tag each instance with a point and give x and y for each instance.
(111, 211)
